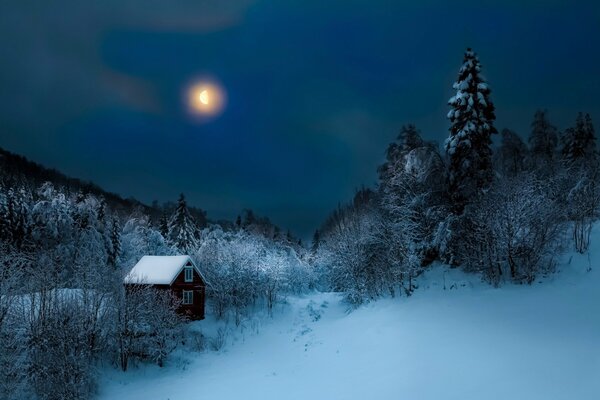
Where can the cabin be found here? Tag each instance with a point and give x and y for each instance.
(178, 274)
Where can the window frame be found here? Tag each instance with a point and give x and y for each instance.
(190, 297)
(185, 274)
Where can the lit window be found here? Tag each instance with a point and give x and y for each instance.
(189, 275)
(188, 297)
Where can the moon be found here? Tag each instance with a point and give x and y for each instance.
(204, 97)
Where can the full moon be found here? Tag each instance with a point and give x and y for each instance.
(205, 99)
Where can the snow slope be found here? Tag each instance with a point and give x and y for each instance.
(464, 341)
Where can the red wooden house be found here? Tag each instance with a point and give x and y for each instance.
(178, 274)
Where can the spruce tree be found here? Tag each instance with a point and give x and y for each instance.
(182, 228)
(579, 142)
(543, 140)
(409, 138)
(392, 156)
(468, 147)
(316, 241)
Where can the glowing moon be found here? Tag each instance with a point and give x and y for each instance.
(205, 99)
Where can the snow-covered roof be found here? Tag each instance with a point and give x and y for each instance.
(158, 270)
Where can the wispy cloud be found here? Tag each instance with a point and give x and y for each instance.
(52, 58)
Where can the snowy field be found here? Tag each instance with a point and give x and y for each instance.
(467, 341)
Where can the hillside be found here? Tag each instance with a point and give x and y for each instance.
(14, 167)
(17, 167)
(456, 338)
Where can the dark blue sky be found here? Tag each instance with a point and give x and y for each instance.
(316, 89)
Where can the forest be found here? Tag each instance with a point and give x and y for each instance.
(498, 204)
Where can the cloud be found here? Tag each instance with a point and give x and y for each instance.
(52, 69)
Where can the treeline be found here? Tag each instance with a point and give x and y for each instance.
(504, 211)
(17, 170)
(63, 308)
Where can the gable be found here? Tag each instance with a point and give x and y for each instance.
(197, 277)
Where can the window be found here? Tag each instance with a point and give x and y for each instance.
(188, 297)
(189, 275)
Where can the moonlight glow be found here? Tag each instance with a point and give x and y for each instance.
(205, 99)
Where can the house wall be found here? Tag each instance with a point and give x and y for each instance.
(196, 310)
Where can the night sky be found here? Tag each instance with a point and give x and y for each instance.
(316, 89)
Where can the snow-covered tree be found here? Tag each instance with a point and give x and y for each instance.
(15, 221)
(583, 209)
(13, 366)
(412, 189)
(59, 360)
(164, 325)
(582, 189)
(182, 228)
(468, 148)
(246, 270)
(351, 257)
(138, 239)
(514, 231)
(408, 140)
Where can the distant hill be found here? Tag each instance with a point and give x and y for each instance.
(16, 168)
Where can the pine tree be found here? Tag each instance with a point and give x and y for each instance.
(182, 228)
(163, 226)
(409, 138)
(579, 142)
(543, 140)
(392, 156)
(468, 147)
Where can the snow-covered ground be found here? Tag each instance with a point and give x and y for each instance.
(464, 341)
